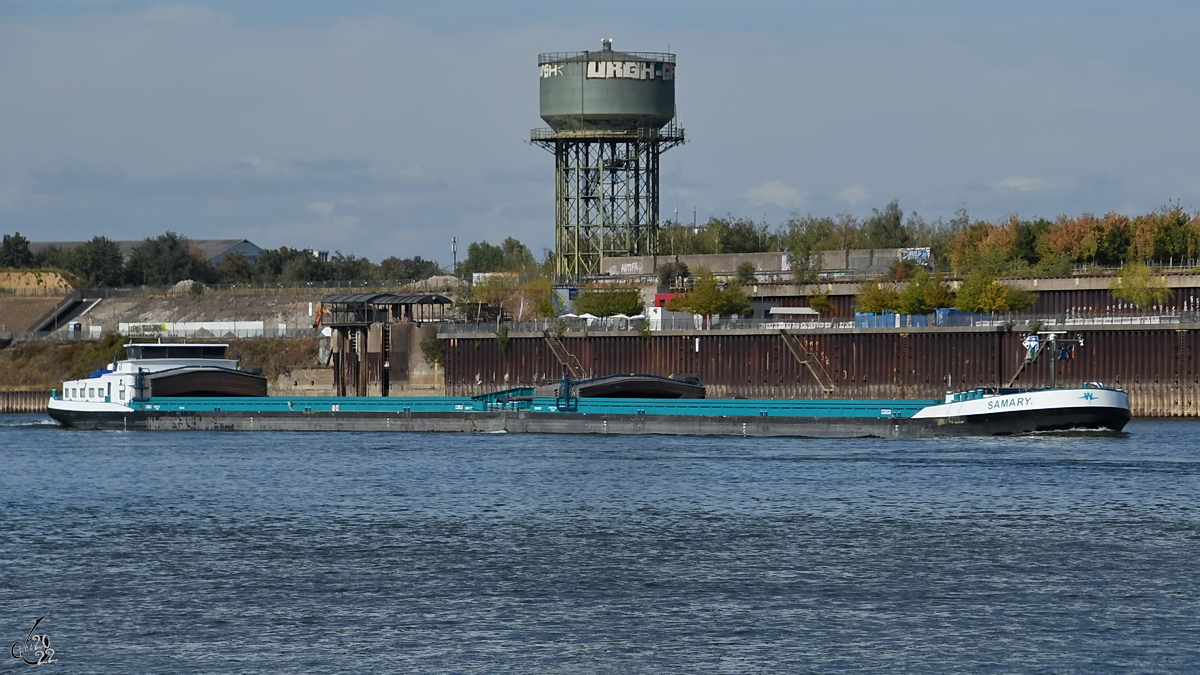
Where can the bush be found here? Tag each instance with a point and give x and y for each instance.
(627, 301)
(433, 349)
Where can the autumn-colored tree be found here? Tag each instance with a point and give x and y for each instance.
(967, 247)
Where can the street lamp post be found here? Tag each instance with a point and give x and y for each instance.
(454, 251)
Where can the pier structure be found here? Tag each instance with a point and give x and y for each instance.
(375, 339)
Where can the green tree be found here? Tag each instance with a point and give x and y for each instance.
(912, 299)
(500, 292)
(981, 291)
(97, 262)
(510, 256)
(1173, 235)
(481, 257)
(707, 298)
(669, 272)
(235, 268)
(167, 259)
(1136, 283)
(938, 293)
(1025, 251)
(269, 264)
(885, 229)
(736, 302)
(820, 302)
(518, 257)
(746, 273)
(607, 302)
(1113, 245)
(802, 240)
(993, 298)
(538, 296)
(877, 296)
(745, 236)
(51, 257)
(302, 268)
(970, 293)
(408, 268)
(349, 267)
(433, 349)
(14, 251)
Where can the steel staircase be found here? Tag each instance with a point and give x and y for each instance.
(807, 358)
(566, 358)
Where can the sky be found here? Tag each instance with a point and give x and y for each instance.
(387, 128)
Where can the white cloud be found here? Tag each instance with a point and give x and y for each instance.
(1024, 185)
(854, 195)
(775, 193)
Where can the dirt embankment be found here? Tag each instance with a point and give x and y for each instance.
(43, 365)
(290, 309)
(36, 282)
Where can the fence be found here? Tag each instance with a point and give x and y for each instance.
(1010, 320)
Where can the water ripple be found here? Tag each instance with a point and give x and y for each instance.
(507, 553)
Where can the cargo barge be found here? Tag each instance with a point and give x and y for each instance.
(204, 391)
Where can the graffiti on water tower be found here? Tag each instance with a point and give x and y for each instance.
(624, 70)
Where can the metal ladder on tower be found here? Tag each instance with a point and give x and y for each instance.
(810, 360)
(566, 358)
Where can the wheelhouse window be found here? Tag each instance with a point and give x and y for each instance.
(157, 351)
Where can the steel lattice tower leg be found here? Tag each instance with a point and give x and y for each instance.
(606, 202)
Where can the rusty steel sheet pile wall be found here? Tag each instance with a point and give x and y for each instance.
(1154, 365)
(23, 401)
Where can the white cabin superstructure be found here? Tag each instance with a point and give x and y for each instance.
(114, 388)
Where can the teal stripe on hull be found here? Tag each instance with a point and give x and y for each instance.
(601, 406)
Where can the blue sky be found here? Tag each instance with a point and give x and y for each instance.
(385, 128)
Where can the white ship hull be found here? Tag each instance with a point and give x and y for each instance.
(1028, 411)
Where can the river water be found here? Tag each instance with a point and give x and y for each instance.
(291, 552)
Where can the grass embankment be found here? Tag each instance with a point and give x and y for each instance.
(43, 365)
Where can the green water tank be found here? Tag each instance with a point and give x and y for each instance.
(607, 90)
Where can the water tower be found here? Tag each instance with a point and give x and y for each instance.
(611, 115)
